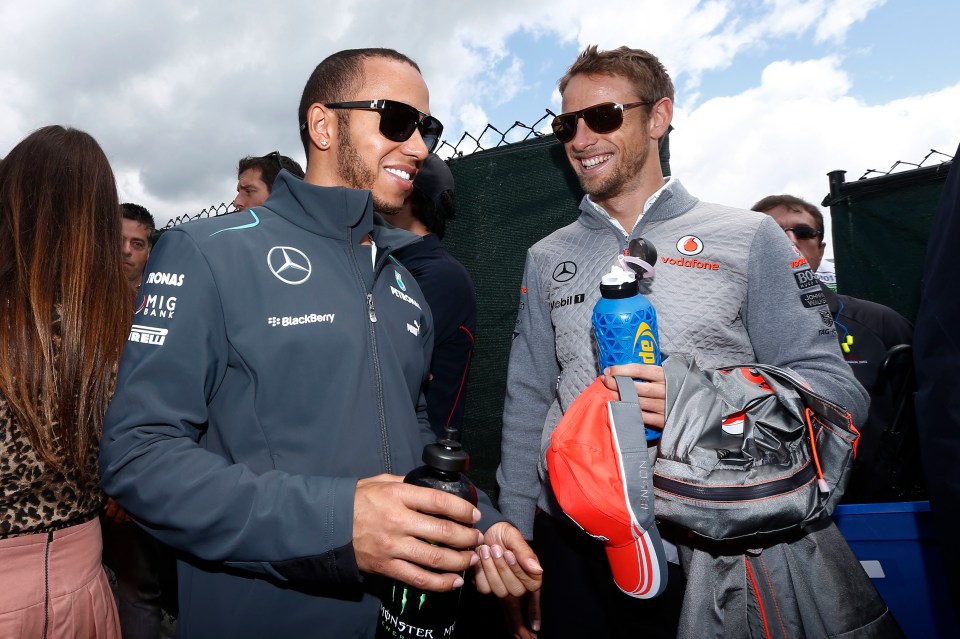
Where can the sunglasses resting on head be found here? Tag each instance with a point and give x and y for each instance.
(601, 118)
(398, 121)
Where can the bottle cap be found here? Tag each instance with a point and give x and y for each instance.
(447, 455)
(619, 283)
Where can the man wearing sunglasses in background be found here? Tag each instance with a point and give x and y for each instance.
(725, 290)
(269, 400)
(255, 176)
(866, 331)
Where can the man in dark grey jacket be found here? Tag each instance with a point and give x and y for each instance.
(269, 398)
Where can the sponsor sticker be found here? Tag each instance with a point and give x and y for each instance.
(300, 320)
(166, 279)
(565, 271)
(690, 245)
(569, 300)
(812, 299)
(147, 335)
(157, 306)
(406, 298)
(289, 265)
(805, 279)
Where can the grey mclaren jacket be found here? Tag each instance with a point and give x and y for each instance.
(270, 365)
(730, 288)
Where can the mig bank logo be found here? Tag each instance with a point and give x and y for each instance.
(403, 287)
(289, 265)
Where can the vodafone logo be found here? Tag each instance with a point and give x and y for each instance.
(689, 245)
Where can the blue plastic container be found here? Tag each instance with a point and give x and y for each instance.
(897, 546)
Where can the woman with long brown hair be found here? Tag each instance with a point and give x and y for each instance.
(66, 312)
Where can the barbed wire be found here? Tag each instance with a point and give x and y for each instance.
(491, 137)
(214, 210)
(898, 163)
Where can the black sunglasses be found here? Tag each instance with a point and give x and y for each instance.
(803, 232)
(601, 118)
(398, 121)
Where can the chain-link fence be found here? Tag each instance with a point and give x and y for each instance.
(490, 138)
(939, 157)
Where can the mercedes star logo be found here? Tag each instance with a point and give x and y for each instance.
(565, 271)
(289, 265)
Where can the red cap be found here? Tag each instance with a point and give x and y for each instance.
(602, 476)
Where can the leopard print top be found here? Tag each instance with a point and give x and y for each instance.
(34, 497)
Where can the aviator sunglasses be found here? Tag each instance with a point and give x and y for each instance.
(601, 118)
(803, 232)
(398, 121)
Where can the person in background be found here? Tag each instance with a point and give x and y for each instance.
(447, 287)
(138, 229)
(263, 428)
(256, 175)
(937, 359)
(866, 332)
(66, 316)
(133, 555)
(725, 294)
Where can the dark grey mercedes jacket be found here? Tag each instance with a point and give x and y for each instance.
(270, 365)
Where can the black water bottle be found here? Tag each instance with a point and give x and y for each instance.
(408, 612)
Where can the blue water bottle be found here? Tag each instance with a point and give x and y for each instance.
(625, 324)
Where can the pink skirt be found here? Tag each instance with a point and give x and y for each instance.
(58, 586)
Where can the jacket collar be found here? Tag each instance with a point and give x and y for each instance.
(336, 212)
(673, 201)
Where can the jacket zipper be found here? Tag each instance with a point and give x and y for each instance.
(736, 493)
(378, 376)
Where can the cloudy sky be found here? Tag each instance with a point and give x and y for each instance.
(771, 94)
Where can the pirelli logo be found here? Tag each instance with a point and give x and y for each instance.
(148, 335)
(812, 299)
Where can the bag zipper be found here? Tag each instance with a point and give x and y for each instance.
(736, 493)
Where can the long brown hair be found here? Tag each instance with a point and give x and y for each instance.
(61, 277)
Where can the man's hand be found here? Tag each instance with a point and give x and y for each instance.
(394, 524)
(513, 613)
(652, 391)
(114, 513)
(508, 566)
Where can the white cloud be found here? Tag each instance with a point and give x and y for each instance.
(799, 124)
(177, 92)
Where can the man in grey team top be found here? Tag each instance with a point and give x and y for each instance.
(269, 398)
(726, 292)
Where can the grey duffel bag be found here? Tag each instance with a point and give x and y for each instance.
(736, 460)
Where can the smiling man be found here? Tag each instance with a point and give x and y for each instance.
(726, 291)
(269, 400)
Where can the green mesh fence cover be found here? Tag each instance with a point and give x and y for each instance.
(507, 199)
(880, 229)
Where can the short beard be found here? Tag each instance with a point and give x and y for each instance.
(614, 184)
(355, 173)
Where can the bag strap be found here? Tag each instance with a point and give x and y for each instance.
(631, 440)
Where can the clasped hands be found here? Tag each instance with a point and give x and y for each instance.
(425, 538)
